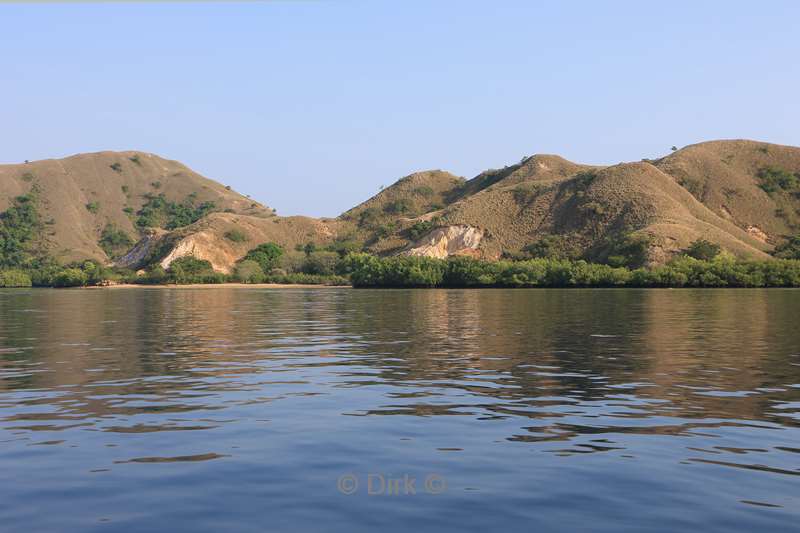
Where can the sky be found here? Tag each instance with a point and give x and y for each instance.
(311, 106)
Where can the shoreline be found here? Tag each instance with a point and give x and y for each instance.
(216, 285)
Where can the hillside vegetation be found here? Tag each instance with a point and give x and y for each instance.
(79, 197)
(138, 211)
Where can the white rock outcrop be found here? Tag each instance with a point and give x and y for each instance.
(446, 241)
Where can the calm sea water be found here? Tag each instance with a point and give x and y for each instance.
(231, 409)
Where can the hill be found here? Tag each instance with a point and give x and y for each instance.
(742, 195)
(139, 209)
(80, 196)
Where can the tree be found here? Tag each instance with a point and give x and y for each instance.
(629, 250)
(14, 278)
(789, 249)
(703, 250)
(114, 241)
(266, 255)
(190, 269)
(249, 271)
(71, 277)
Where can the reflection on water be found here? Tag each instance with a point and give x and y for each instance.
(241, 410)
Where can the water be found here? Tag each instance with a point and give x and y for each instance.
(229, 409)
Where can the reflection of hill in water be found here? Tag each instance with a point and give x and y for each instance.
(547, 357)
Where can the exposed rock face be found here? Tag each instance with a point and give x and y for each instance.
(447, 241)
(208, 239)
(202, 245)
(143, 250)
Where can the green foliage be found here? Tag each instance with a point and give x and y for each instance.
(320, 263)
(127, 210)
(419, 229)
(14, 278)
(344, 247)
(524, 193)
(155, 184)
(94, 271)
(125, 189)
(398, 207)
(116, 167)
(27, 176)
(19, 226)
(43, 272)
(554, 247)
(774, 179)
(266, 255)
(155, 275)
(594, 208)
(381, 232)
(368, 217)
(584, 179)
(249, 271)
(162, 213)
(190, 269)
(703, 250)
(70, 277)
(135, 160)
(114, 241)
(370, 271)
(367, 270)
(306, 279)
(424, 191)
(695, 187)
(309, 248)
(789, 249)
(628, 250)
(236, 235)
(93, 207)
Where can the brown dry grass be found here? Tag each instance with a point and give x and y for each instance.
(68, 185)
(709, 190)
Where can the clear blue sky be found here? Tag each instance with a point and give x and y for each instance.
(311, 106)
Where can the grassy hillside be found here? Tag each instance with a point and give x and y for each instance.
(742, 181)
(81, 196)
(742, 196)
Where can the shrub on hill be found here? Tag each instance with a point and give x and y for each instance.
(368, 217)
(320, 263)
(554, 247)
(774, 179)
(789, 249)
(236, 235)
(267, 255)
(424, 191)
(344, 247)
(703, 250)
(524, 193)
(19, 226)
(249, 271)
(629, 250)
(398, 207)
(419, 229)
(159, 212)
(114, 241)
(189, 269)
